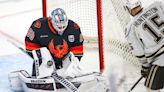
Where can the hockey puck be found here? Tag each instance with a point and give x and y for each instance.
(49, 63)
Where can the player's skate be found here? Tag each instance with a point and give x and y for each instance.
(48, 79)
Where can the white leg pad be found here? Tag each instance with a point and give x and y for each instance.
(15, 82)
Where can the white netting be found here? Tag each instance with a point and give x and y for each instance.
(114, 19)
(81, 11)
(117, 43)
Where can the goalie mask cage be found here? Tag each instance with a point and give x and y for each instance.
(102, 23)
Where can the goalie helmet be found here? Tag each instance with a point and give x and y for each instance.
(133, 3)
(59, 20)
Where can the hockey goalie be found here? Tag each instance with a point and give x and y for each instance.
(70, 78)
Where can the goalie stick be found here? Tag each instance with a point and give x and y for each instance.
(64, 82)
(67, 84)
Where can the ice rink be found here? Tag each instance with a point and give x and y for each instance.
(16, 17)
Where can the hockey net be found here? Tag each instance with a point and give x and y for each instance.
(113, 17)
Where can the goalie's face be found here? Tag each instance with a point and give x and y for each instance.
(135, 10)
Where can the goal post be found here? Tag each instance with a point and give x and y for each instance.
(100, 32)
(44, 8)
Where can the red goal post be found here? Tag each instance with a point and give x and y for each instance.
(44, 8)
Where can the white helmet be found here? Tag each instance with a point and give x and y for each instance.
(59, 20)
(133, 3)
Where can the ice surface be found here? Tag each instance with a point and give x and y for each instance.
(11, 63)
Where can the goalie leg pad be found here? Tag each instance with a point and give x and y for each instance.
(44, 64)
(15, 82)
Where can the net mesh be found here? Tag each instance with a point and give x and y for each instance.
(81, 11)
(115, 17)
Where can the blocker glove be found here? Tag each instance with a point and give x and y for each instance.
(145, 69)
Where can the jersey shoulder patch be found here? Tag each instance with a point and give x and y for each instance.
(30, 34)
(37, 24)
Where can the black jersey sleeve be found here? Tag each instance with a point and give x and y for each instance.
(31, 42)
(77, 47)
